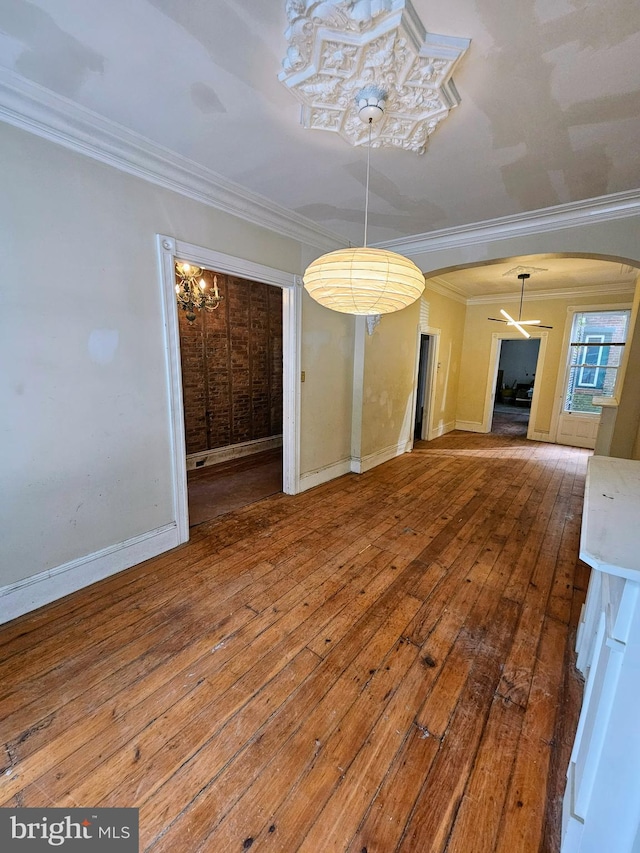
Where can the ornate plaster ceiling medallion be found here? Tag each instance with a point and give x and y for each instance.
(519, 270)
(339, 47)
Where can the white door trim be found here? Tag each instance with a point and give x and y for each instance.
(169, 249)
(494, 360)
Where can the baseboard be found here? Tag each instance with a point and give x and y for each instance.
(372, 460)
(441, 429)
(25, 595)
(323, 475)
(232, 451)
(470, 426)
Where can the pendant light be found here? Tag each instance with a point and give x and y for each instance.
(364, 281)
(519, 323)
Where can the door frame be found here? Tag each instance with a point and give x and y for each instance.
(564, 366)
(494, 363)
(430, 388)
(170, 248)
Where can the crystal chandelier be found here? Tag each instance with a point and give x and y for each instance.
(191, 290)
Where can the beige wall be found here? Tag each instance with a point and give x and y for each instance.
(625, 439)
(478, 334)
(614, 239)
(388, 382)
(389, 374)
(448, 316)
(326, 393)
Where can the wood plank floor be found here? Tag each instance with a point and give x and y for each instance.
(219, 489)
(381, 664)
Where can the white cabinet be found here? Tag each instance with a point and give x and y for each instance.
(601, 811)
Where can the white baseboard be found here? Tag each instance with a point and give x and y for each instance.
(232, 451)
(470, 426)
(30, 593)
(323, 475)
(372, 460)
(441, 429)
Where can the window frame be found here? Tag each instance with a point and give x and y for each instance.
(576, 363)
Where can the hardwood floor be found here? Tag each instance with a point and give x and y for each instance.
(380, 664)
(219, 489)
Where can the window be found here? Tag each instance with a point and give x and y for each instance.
(589, 376)
(595, 353)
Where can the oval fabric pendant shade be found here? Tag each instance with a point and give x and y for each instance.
(363, 281)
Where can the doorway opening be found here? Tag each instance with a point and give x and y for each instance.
(170, 250)
(423, 390)
(231, 366)
(514, 388)
(221, 488)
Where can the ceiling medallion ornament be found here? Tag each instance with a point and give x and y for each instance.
(339, 47)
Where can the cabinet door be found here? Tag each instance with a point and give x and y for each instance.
(594, 719)
(588, 627)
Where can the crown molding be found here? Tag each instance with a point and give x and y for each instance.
(32, 107)
(445, 289)
(38, 110)
(571, 215)
(440, 285)
(625, 289)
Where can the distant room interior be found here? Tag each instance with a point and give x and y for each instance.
(514, 387)
(231, 359)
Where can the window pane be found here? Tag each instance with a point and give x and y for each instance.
(600, 326)
(580, 393)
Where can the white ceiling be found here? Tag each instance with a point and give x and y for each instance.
(549, 113)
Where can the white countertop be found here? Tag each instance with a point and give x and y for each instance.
(610, 539)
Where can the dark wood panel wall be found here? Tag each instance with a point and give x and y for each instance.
(232, 366)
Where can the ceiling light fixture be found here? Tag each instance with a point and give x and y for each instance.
(364, 281)
(190, 290)
(519, 323)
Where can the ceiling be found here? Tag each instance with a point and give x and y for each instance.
(549, 276)
(549, 112)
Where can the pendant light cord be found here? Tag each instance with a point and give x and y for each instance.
(366, 197)
(521, 298)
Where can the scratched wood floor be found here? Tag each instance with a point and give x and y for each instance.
(381, 664)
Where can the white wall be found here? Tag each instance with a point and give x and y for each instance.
(85, 424)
